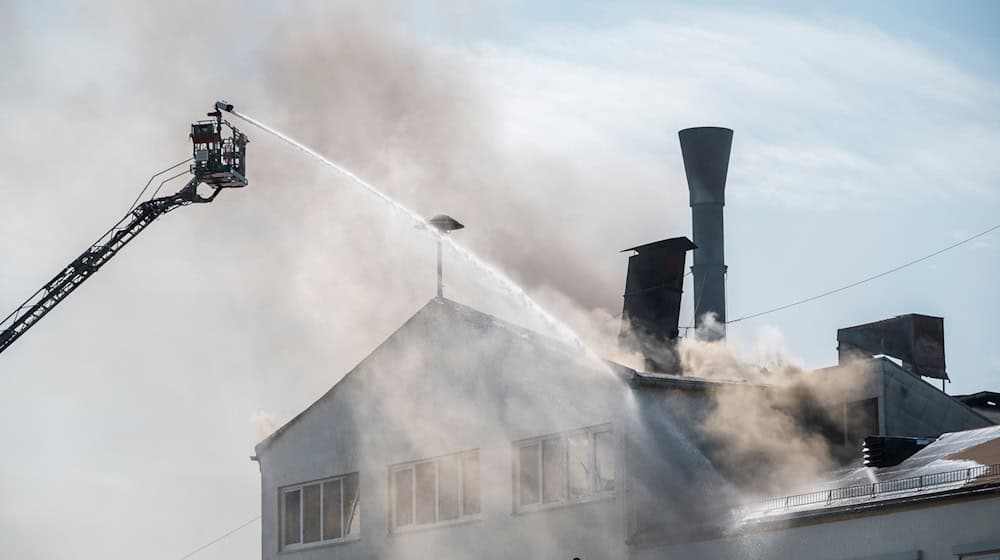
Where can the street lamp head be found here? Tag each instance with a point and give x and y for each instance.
(445, 223)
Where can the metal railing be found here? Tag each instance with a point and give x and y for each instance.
(980, 474)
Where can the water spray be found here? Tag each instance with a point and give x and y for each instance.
(502, 280)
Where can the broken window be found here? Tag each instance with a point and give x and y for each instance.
(563, 468)
(352, 506)
(579, 467)
(321, 511)
(435, 490)
(604, 462)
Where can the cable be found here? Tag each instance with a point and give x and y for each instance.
(164, 182)
(217, 539)
(150, 182)
(864, 280)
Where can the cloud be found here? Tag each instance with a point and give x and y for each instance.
(827, 112)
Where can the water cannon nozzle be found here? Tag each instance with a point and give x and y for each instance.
(224, 106)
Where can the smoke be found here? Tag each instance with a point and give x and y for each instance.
(264, 423)
(410, 118)
(773, 429)
(260, 301)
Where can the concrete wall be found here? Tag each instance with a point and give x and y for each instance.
(908, 405)
(671, 486)
(935, 532)
(914, 408)
(991, 414)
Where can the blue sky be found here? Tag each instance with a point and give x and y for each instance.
(965, 29)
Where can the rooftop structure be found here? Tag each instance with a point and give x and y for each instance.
(986, 403)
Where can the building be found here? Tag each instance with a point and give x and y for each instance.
(941, 503)
(465, 436)
(468, 435)
(462, 434)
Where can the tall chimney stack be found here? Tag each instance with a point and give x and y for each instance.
(706, 163)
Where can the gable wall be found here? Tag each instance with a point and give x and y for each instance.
(406, 403)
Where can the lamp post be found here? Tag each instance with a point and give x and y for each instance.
(444, 224)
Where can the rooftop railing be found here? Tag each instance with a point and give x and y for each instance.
(872, 491)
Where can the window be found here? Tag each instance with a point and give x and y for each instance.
(320, 512)
(439, 490)
(564, 468)
(981, 550)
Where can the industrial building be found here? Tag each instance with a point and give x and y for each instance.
(463, 435)
(943, 502)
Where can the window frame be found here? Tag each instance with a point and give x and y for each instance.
(977, 550)
(300, 488)
(411, 466)
(567, 499)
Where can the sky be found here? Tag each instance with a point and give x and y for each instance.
(865, 136)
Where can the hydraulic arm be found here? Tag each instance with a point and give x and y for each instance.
(218, 162)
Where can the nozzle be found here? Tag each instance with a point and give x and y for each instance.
(224, 106)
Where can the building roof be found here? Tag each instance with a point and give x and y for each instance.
(683, 382)
(464, 318)
(982, 398)
(956, 463)
(447, 316)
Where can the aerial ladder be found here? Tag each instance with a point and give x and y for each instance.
(218, 161)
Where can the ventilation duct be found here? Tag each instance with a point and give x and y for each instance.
(653, 289)
(886, 451)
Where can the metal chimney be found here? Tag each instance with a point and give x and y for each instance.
(652, 305)
(706, 162)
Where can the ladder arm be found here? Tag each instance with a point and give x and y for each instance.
(96, 256)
